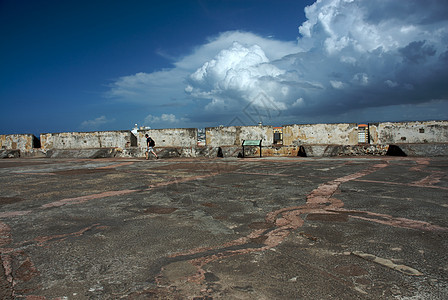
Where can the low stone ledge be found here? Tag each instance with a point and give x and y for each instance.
(325, 150)
(425, 150)
(5, 153)
(83, 153)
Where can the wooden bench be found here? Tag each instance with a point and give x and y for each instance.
(251, 143)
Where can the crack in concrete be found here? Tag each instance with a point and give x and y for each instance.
(16, 213)
(26, 269)
(82, 199)
(9, 257)
(388, 263)
(6, 254)
(289, 219)
(286, 220)
(420, 183)
(5, 260)
(320, 200)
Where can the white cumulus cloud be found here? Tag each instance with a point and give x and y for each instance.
(164, 119)
(96, 123)
(236, 76)
(337, 84)
(350, 56)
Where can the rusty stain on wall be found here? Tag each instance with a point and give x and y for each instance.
(24, 142)
(170, 137)
(234, 135)
(412, 132)
(338, 134)
(87, 140)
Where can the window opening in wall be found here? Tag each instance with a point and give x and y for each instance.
(278, 135)
(36, 142)
(201, 136)
(133, 139)
(363, 134)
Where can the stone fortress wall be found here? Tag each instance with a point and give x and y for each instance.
(418, 138)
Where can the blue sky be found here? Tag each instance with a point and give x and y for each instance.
(106, 65)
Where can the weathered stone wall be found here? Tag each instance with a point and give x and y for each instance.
(234, 135)
(412, 138)
(172, 137)
(421, 149)
(409, 132)
(87, 140)
(344, 150)
(320, 134)
(22, 142)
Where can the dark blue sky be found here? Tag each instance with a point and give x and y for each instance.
(105, 65)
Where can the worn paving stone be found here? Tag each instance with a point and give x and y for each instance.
(268, 228)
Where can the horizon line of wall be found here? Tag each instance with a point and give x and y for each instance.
(296, 135)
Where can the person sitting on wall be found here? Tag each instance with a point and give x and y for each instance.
(150, 146)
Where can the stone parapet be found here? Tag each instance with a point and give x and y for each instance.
(422, 149)
(87, 140)
(419, 138)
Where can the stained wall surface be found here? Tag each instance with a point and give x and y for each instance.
(321, 134)
(87, 140)
(22, 142)
(171, 137)
(410, 132)
(234, 135)
(387, 133)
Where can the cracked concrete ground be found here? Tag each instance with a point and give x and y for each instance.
(269, 228)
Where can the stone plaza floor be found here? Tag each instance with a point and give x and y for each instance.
(255, 228)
